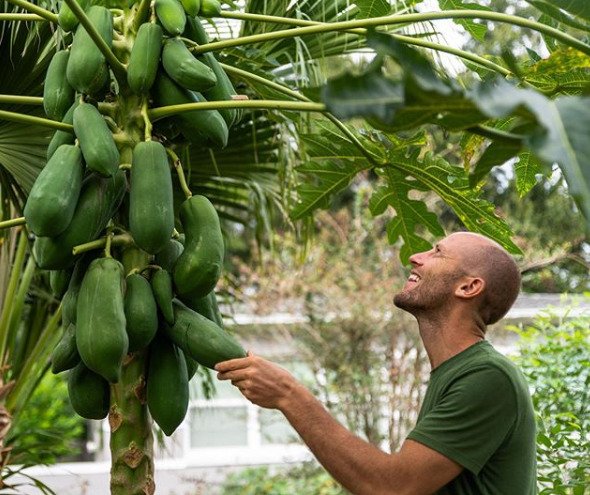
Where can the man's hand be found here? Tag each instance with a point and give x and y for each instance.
(260, 381)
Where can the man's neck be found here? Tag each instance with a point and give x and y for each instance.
(445, 338)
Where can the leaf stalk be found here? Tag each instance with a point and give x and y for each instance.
(8, 224)
(30, 119)
(35, 9)
(396, 19)
(161, 112)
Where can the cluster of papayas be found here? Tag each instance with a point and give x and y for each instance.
(94, 185)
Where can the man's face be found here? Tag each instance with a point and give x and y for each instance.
(434, 276)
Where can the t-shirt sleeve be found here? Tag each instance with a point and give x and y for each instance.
(471, 420)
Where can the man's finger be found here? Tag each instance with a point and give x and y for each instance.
(233, 364)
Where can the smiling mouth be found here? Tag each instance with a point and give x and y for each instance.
(414, 277)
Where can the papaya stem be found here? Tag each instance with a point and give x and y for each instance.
(8, 224)
(141, 14)
(30, 119)
(180, 173)
(409, 40)
(115, 64)
(146, 120)
(117, 240)
(167, 111)
(397, 19)
(125, 166)
(107, 246)
(35, 9)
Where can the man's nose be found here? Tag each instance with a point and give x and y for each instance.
(417, 259)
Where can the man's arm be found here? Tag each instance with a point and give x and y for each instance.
(359, 466)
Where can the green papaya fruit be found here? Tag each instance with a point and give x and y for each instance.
(144, 58)
(199, 266)
(171, 14)
(96, 140)
(167, 257)
(70, 299)
(200, 338)
(162, 289)
(63, 137)
(151, 208)
(65, 355)
(201, 127)
(210, 8)
(180, 64)
(191, 366)
(141, 312)
(167, 385)
(66, 18)
(58, 95)
(87, 70)
(89, 393)
(98, 202)
(101, 336)
(223, 89)
(191, 7)
(59, 281)
(53, 198)
(206, 306)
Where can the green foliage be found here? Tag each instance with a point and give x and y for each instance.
(555, 358)
(308, 479)
(47, 428)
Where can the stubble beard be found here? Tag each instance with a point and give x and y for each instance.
(427, 296)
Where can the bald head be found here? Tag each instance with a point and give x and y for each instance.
(484, 258)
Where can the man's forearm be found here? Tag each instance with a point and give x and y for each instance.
(355, 463)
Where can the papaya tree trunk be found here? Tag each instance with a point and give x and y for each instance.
(132, 450)
(132, 470)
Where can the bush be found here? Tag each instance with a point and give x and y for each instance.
(555, 358)
(307, 479)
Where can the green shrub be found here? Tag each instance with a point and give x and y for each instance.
(555, 358)
(306, 479)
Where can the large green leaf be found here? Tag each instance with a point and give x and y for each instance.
(451, 183)
(526, 170)
(332, 164)
(372, 8)
(478, 31)
(579, 8)
(409, 213)
(559, 15)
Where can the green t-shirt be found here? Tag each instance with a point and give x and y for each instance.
(478, 412)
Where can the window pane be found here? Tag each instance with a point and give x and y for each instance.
(219, 426)
(223, 389)
(275, 429)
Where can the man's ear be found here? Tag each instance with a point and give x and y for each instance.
(470, 287)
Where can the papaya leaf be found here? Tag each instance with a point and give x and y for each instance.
(451, 183)
(497, 153)
(558, 14)
(333, 163)
(478, 31)
(370, 95)
(561, 134)
(372, 8)
(578, 8)
(416, 66)
(526, 170)
(409, 213)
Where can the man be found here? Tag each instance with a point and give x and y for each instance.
(476, 430)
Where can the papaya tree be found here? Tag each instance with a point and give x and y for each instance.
(169, 119)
